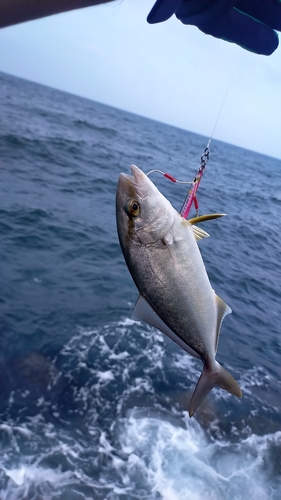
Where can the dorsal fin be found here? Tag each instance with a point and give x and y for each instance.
(222, 310)
(199, 233)
(203, 218)
(144, 312)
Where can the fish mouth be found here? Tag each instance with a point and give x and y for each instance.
(131, 184)
(138, 175)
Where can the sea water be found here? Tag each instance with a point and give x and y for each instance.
(93, 404)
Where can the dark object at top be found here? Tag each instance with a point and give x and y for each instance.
(248, 23)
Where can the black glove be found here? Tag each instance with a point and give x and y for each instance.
(249, 23)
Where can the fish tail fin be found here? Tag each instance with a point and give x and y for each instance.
(209, 379)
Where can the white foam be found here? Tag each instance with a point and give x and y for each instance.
(105, 447)
(24, 431)
(127, 322)
(25, 475)
(187, 363)
(120, 355)
(181, 463)
(255, 377)
(17, 475)
(106, 376)
(9, 429)
(6, 428)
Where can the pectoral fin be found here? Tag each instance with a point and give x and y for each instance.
(144, 312)
(169, 243)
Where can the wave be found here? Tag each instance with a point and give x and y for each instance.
(105, 418)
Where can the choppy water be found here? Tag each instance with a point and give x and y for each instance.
(94, 405)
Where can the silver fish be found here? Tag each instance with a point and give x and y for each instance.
(161, 252)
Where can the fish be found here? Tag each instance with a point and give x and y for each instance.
(175, 295)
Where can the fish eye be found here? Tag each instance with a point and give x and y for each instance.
(133, 208)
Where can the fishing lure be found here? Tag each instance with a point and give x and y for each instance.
(191, 197)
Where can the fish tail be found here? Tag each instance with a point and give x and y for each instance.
(209, 379)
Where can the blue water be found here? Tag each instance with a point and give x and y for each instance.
(94, 405)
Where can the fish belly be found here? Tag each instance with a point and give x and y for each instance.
(179, 291)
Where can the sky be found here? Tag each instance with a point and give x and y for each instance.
(168, 72)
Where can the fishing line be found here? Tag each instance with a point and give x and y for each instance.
(222, 104)
(191, 198)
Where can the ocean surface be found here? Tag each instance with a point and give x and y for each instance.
(93, 404)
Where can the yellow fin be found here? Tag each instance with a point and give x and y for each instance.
(203, 218)
(222, 310)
